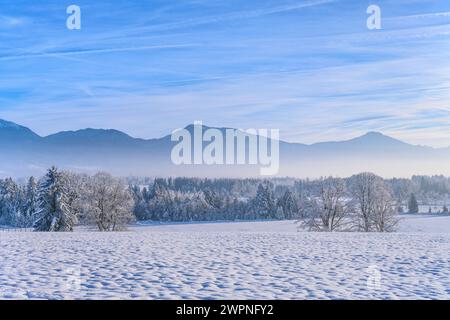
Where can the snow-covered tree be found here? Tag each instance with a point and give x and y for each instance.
(31, 205)
(401, 189)
(330, 209)
(289, 205)
(54, 213)
(213, 199)
(11, 202)
(374, 203)
(383, 216)
(365, 190)
(108, 202)
(161, 202)
(76, 184)
(140, 204)
(264, 202)
(413, 206)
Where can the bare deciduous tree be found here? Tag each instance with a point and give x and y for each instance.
(329, 210)
(108, 202)
(373, 202)
(383, 216)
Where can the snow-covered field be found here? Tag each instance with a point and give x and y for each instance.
(240, 260)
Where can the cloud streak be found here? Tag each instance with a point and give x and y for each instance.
(316, 76)
(240, 15)
(93, 51)
(11, 21)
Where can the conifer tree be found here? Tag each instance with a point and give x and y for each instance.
(413, 206)
(54, 213)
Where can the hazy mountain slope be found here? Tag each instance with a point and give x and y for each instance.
(24, 153)
(11, 133)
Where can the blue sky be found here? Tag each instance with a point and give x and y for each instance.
(310, 68)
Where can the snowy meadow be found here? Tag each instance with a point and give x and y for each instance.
(224, 150)
(329, 238)
(237, 260)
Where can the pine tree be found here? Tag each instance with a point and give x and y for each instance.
(55, 213)
(413, 206)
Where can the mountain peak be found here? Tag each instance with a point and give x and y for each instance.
(375, 136)
(91, 132)
(9, 124)
(9, 131)
(92, 137)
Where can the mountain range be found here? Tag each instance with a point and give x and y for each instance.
(24, 153)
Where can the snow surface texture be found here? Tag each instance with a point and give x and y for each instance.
(241, 260)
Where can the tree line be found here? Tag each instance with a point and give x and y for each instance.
(62, 199)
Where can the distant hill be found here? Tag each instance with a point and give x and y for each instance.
(25, 153)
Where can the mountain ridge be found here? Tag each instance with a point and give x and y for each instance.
(90, 150)
(97, 131)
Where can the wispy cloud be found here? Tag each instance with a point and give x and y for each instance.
(12, 21)
(310, 68)
(92, 51)
(240, 15)
(431, 15)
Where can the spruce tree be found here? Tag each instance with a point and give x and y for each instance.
(31, 203)
(264, 203)
(54, 213)
(11, 203)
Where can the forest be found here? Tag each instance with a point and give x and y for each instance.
(61, 200)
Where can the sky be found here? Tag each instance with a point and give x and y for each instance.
(310, 68)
